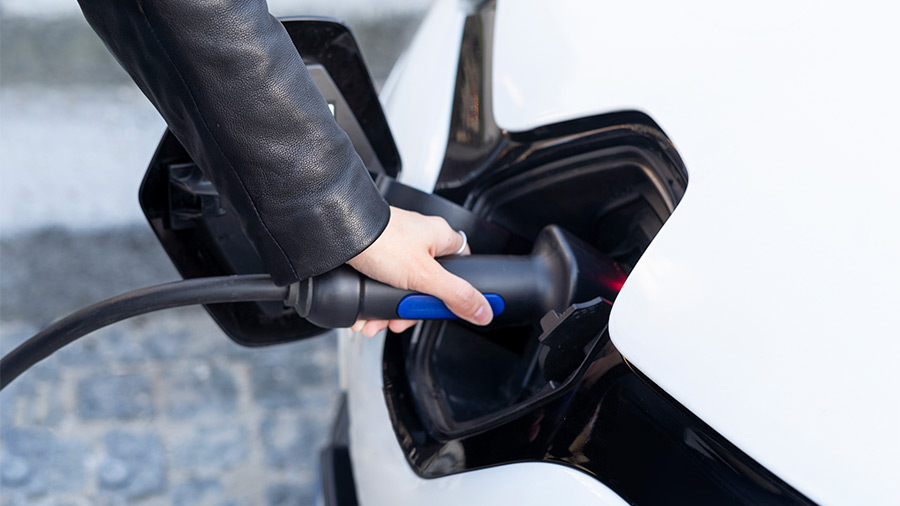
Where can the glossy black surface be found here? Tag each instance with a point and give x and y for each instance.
(200, 231)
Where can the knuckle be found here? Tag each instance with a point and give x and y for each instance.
(441, 225)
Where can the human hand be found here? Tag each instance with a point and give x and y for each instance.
(404, 257)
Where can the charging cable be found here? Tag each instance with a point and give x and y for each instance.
(244, 288)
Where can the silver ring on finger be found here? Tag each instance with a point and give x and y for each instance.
(464, 243)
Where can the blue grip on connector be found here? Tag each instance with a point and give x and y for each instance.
(427, 307)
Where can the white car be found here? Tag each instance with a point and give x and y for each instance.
(733, 161)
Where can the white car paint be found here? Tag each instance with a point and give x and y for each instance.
(418, 94)
(383, 475)
(768, 305)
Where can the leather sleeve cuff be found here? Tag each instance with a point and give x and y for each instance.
(357, 215)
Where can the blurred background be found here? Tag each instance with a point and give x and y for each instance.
(160, 409)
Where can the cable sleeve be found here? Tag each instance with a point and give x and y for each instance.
(213, 290)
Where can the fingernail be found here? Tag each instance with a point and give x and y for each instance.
(483, 315)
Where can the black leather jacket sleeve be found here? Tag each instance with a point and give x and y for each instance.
(230, 84)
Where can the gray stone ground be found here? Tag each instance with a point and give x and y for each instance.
(163, 408)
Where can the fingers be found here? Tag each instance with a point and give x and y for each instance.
(372, 327)
(404, 257)
(460, 297)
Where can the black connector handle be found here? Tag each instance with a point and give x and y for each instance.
(561, 270)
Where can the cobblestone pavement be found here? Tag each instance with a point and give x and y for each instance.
(160, 409)
(164, 409)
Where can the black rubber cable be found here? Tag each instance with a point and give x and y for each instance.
(254, 287)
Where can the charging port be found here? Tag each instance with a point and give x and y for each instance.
(611, 189)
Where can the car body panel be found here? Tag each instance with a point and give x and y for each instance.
(421, 86)
(766, 305)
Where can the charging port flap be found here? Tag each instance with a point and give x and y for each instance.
(199, 228)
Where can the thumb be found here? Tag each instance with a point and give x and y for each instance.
(458, 294)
